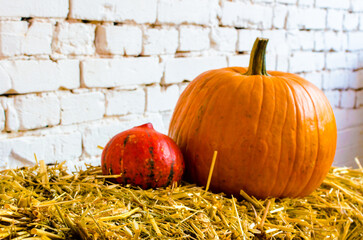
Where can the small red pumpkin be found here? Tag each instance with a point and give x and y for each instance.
(143, 157)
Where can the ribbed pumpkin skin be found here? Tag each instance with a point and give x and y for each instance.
(275, 135)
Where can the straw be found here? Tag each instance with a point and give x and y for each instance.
(46, 202)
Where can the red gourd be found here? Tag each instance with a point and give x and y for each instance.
(143, 157)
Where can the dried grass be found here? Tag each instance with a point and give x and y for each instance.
(45, 202)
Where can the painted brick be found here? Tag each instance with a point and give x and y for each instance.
(125, 102)
(76, 108)
(99, 134)
(300, 40)
(34, 8)
(334, 19)
(355, 41)
(193, 38)
(282, 62)
(315, 78)
(11, 37)
(187, 11)
(161, 99)
(119, 40)
(337, 79)
(356, 5)
(166, 116)
(356, 80)
(351, 59)
(279, 16)
(11, 116)
(344, 157)
(120, 72)
(286, 1)
(306, 3)
(309, 18)
(224, 39)
(347, 118)
(335, 60)
(139, 11)
(306, 62)
(53, 148)
(334, 97)
(333, 40)
(2, 117)
(182, 87)
(338, 4)
(246, 38)
(277, 41)
(238, 60)
(5, 81)
(160, 41)
(350, 136)
(246, 15)
(181, 69)
(37, 111)
(74, 38)
(351, 21)
(319, 41)
(38, 39)
(348, 99)
(359, 98)
(43, 75)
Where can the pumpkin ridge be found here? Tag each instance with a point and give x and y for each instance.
(200, 88)
(273, 185)
(191, 128)
(211, 98)
(283, 125)
(282, 192)
(303, 189)
(256, 133)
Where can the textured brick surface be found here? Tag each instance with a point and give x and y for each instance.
(75, 72)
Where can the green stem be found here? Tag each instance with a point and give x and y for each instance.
(258, 58)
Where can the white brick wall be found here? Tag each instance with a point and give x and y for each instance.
(193, 38)
(38, 39)
(34, 8)
(41, 75)
(82, 107)
(11, 37)
(306, 18)
(119, 40)
(306, 62)
(335, 19)
(2, 117)
(118, 72)
(245, 15)
(161, 99)
(75, 72)
(139, 11)
(187, 11)
(160, 41)
(338, 4)
(125, 102)
(181, 69)
(36, 111)
(74, 39)
(224, 39)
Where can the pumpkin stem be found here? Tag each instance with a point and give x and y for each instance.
(257, 64)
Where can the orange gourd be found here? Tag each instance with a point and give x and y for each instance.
(275, 132)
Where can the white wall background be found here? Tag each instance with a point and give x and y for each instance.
(75, 72)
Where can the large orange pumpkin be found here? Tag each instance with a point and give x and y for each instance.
(275, 132)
